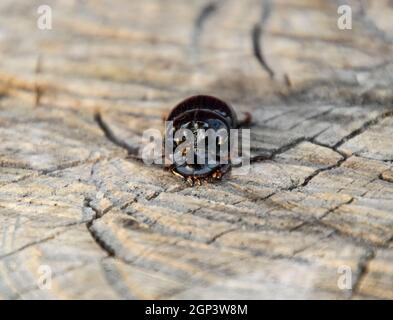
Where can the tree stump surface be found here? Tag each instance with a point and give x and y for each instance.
(319, 199)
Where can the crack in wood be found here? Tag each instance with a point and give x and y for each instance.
(318, 171)
(38, 89)
(110, 135)
(217, 236)
(96, 237)
(336, 208)
(280, 150)
(389, 180)
(206, 12)
(316, 221)
(98, 214)
(28, 245)
(40, 241)
(314, 117)
(257, 35)
(38, 173)
(115, 280)
(364, 243)
(292, 144)
(363, 128)
(300, 250)
(362, 270)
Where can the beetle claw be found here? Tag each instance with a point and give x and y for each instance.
(190, 181)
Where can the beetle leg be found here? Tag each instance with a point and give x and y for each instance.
(217, 175)
(245, 120)
(190, 181)
(177, 174)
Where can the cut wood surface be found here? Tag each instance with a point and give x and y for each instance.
(318, 198)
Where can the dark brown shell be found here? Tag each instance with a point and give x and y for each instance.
(211, 112)
(208, 103)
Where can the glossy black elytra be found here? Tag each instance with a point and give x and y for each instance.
(202, 112)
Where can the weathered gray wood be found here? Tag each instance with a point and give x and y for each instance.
(319, 196)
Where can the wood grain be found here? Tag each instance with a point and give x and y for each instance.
(319, 195)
